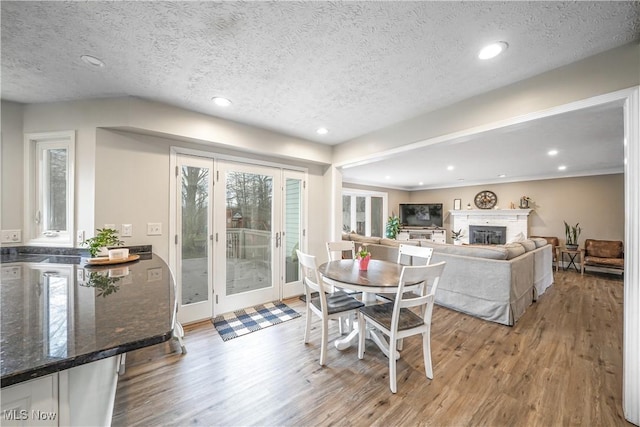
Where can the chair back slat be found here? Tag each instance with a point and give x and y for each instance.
(414, 255)
(336, 250)
(429, 276)
(312, 279)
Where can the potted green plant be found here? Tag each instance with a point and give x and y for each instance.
(363, 256)
(393, 227)
(572, 233)
(106, 238)
(457, 236)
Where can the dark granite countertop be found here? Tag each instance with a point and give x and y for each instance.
(57, 313)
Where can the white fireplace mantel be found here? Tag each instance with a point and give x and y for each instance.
(516, 220)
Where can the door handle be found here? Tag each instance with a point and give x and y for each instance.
(277, 240)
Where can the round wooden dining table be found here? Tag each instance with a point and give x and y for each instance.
(380, 277)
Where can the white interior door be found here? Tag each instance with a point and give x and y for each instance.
(194, 220)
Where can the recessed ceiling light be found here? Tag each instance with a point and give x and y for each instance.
(562, 167)
(421, 183)
(92, 60)
(552, 152)
(387, 177)
(322, 131)
(220, 101)
(449, 168)
(492, 50)
(502, 175)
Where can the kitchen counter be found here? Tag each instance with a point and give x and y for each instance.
(58, 313)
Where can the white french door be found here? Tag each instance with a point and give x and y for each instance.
(247, 235)
(237, 226)
(193, 237)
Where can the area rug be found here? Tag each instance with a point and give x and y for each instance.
(242, 322)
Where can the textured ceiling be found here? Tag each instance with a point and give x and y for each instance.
(352, 67)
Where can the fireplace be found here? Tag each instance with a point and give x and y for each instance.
(487, 235)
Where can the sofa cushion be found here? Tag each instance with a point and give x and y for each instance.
(539, 241)
(364, 239)
(396, 243)
(477, 251)
(607, 262)
(527, 244)
(513, 250)
(604, 248)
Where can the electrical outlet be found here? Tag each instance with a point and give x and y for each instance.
(13, 272)
(80, 275)
(127, 230)
(11, 236)
(79, 236)
(154, 229)
(154, 274)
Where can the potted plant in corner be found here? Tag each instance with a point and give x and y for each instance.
(393, 227)
(572, 233)
(100, 244)
(457, 236)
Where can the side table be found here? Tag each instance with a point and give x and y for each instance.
(572, 254)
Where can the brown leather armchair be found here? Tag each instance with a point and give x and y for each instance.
(603, 253)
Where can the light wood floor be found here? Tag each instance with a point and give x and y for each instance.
(560, 365)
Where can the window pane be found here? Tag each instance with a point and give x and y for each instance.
(361, 215)
(346, 214)
(56, 189)
(195, 215)
(293, 213)
(249, 209)
(376, 216)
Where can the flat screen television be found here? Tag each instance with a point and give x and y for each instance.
(421, 214)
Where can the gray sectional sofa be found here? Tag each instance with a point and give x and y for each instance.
(495, 283)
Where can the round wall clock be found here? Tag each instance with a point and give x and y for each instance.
(486, 199)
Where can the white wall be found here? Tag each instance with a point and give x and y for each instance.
(12, 166)
(97, 199)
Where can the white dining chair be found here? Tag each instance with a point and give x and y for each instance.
(397, 321)
(414, 255)
(410, 255)
(326, 305)
(336, 250)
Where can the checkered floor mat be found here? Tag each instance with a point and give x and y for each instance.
(242, 322)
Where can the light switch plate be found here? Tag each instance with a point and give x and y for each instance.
(127, 230)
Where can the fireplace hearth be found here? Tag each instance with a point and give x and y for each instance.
(487, 235)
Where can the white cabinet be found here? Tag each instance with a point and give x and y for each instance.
(79, 396)
(436, 236)
(31, 403)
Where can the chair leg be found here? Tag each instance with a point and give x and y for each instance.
(392, 364)
(426, 350)
(361, 335)
(324, 342)
(307, 330)
(400, 344)
(341, 323)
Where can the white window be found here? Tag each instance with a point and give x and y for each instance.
(49, 184)
(364, 212)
